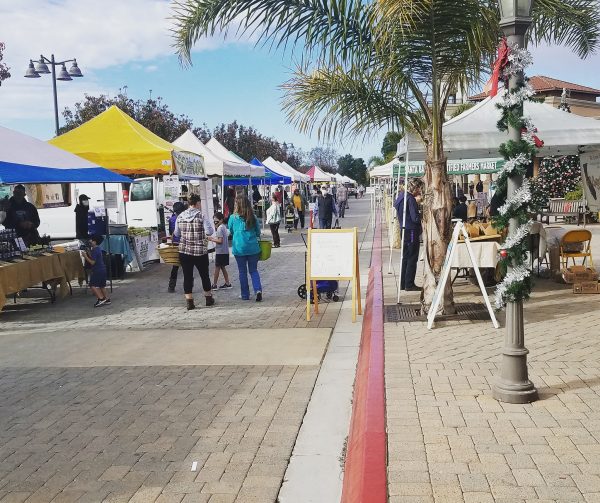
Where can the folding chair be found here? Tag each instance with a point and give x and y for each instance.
(569, 248)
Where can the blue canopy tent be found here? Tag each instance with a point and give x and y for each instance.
(270, 178)
(24, 159)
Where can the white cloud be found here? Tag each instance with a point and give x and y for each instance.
(99, 33)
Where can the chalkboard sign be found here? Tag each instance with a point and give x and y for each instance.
(332, 255)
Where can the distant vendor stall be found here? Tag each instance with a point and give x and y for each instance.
(27, 261)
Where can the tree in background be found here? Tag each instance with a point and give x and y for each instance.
(152, 113)
(4, 73)
(155, 115)
(390, 145)
(324, 157)
(375, 160)
(353, 167)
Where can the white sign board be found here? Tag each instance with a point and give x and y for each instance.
(110, 200)
(332, 255)
(590, 178)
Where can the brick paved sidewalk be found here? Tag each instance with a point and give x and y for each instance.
(450, 441)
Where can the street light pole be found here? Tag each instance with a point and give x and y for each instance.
(514, 385)
(41, 67)
(52, 62)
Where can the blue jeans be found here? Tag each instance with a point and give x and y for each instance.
(324, 223)
(248, 263)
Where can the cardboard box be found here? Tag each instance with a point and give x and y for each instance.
(586, 287)
(579, 274)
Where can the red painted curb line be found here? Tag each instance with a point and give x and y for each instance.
(365, 472)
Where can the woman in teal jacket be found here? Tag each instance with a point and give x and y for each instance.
(244, 228)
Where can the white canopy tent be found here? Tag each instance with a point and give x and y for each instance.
(385, 170)
(214, 164)
(220, 151)
(278, 168)
(303, 177)
(318, 175)
(474, 135)
(339, 178)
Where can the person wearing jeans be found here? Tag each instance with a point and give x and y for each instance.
(245, 231)
(325, 208)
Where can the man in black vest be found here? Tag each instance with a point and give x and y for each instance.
(325, 208)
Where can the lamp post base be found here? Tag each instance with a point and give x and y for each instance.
(513, 385)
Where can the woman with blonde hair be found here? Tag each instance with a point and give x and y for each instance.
(245, 231)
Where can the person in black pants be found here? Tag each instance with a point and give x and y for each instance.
(274, 219)
(412, 233)
(193, 251)
(325, 208)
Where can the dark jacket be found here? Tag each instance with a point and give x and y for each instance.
(413, 218)
(172, 221)
(326, 206)
(24, 212)
(81, 221)
(460, 212)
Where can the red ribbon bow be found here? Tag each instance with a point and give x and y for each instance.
(499, 64)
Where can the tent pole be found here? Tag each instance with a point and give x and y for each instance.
(107, 237)
(391, 235)
(402, 229)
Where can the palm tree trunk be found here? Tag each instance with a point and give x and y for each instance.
(437, 231)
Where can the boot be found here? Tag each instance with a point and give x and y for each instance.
(190, 304)
(210, 301)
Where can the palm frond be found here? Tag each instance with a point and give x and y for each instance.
(351, 103)
(338, 28)
(573, 23)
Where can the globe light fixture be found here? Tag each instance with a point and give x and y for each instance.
(41, 68)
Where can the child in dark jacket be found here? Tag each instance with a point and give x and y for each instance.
(178, 208)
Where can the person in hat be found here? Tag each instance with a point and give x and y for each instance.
(97, 280)
(81, 217)
(178, 208)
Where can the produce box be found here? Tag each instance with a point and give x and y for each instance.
(579, 274)
(586, 287)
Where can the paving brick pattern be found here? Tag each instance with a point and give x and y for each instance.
(451, 441)
(120, 434)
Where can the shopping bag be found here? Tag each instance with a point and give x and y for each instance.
(265, 249)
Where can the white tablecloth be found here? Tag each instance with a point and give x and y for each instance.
(486, 254)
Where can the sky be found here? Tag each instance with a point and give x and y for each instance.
(127, 43)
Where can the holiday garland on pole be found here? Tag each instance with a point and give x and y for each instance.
(516, 285)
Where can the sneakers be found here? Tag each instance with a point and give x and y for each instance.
(190, 304)
(258, 296)
(102, 302)
(210, 301)
(214, 287)
(224, 286)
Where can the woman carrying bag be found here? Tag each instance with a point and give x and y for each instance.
(274, 219)
(244, 228)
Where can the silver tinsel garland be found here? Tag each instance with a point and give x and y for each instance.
(517, 274)
(520, 197)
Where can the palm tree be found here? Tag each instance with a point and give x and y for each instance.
(385, 63)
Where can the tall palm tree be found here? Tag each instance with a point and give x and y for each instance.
(385, 63)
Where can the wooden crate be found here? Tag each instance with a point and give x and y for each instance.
(586, 287)
(579, 274)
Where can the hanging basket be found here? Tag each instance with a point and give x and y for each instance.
(169, 254)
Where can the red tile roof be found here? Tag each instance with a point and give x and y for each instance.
(541, 83)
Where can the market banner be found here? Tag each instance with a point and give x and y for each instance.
(188, 165)
(460, 167)
(47, 195)
(590, 176)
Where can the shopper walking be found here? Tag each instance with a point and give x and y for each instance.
(325, 208)
(193, 251)
(81, 217)
(412, 233)
(274, 220)
(342, 199)
(245, 230)
(299, 206)
(178, 208)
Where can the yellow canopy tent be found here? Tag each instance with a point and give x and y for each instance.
(117, 142)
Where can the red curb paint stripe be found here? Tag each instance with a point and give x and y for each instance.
(365, 475)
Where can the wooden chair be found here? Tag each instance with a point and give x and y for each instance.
(571, 238)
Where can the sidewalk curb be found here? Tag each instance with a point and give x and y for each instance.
(365, 477)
